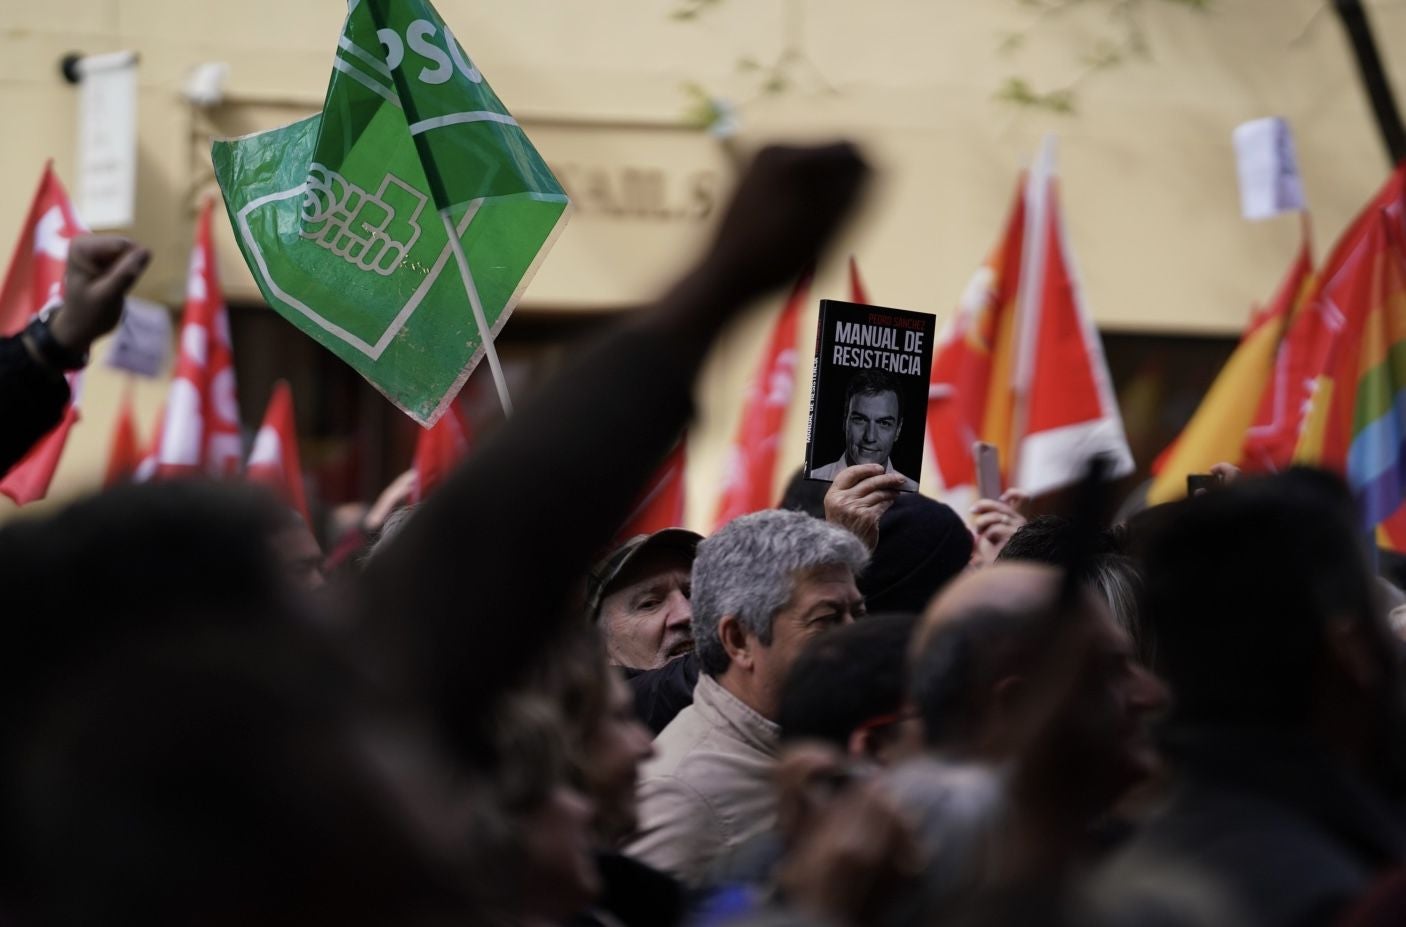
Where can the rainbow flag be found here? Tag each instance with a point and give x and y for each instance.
(1356, 422)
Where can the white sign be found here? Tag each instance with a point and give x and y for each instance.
(143, 340)
(1269, 170)
(107, 140)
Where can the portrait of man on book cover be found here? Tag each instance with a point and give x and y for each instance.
(872, 423)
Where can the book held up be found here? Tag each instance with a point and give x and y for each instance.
(869, 393)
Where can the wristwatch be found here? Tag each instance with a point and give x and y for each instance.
(51, 353)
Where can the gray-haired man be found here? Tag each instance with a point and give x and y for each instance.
(763, 585)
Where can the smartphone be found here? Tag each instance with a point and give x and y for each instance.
(988, 470)
(1202, 482)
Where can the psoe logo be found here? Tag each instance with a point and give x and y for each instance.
(373, 232)
(419, 39)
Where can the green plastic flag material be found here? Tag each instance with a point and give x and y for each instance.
(344, 218)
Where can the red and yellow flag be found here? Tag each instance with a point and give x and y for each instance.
(1227, 427)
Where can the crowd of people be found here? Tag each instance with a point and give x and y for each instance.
(852, 709)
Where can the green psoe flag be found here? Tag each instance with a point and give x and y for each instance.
(343, 218)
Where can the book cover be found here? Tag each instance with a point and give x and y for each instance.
(869, 392)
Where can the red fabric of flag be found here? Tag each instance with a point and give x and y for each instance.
(438, 450)
(857, 292)
(33, 282)
(200, 432)
(751, 460)
(1066, 411)
(125, 455)
(274, 462)
(661, 505)
(968, 394)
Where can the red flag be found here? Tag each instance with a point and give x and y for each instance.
(274, 461)
(1065, 410)
(1354, 424)
(1326, 321)
(857, 293)
(35, 276)
(125, 456)
(146, 467)
(661, 505)
(29, 479)
(439, 450)
(1269, 443)
(1021, 365)
(1367, 249)
(200, 432)
(974, 351)
(751, 460)
(33, 282)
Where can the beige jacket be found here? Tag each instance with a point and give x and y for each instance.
(709, 786)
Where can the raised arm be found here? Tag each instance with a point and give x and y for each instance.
(33, 391)
(482, 574)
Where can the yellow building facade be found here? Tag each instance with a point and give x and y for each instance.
(1148, 171)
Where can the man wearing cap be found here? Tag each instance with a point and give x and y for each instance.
(639, 597)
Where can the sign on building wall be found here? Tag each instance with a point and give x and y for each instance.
(107, 140)
(1268, 168)
(143, 339)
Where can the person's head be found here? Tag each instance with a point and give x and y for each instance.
(983, 665)
(1047, 539)
(1264, 610)
(873, 416)
(130, 564)
(226, 775)
(763, 585)
(639, 597)
(530, 843)
(173, 531)
(606, 741)
(391, 529)
(848, 688)
(1118, 579)
(297, 551)
(923, 545)
(169, 706)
